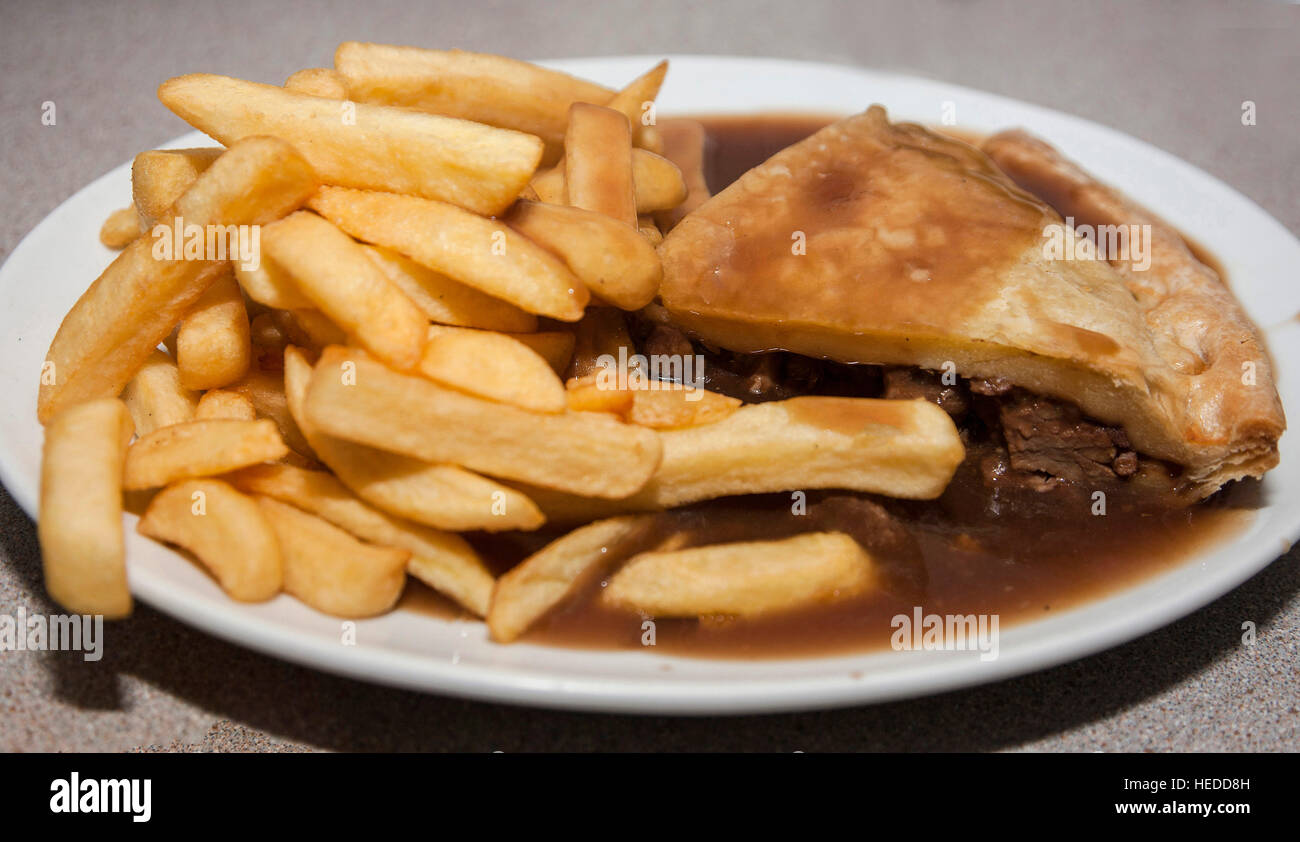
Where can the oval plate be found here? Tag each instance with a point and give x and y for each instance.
(62, 255)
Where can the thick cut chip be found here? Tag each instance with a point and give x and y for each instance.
(598, 162)
(121, 227)
(266, 391)
(651, 403)
(483, 253)
(222, 403)
(330, 570)
(271, 285)
(357, 398)
(135, 303)
(636, 102)
(475, 86)
(372, 147)
(744, 579)
(673, 407)
(199, 449)
(442, 560)
(318, 81)
(224, 529)
(658, 183)
(613, 260)
(446, 301)
(555, 346)
(80, 523)
(544, 579)
(905, 449)
(160, 176)
(331, 269)
(491, 365)
(442, 496)
(213, 348)
(156, 397)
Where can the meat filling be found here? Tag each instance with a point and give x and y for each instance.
(1015, 439)
(1053, 438)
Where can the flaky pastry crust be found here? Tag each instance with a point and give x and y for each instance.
(885, 243)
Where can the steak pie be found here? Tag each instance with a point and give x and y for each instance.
(880, 244)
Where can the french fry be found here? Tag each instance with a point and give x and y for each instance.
(442, 560)
(372, 147)
(441, 496)
(611, 259)
(543, 580)
(331, 269)
(896, 448)
(907, 449)
(212, 346)
(446, 301)
(647, 228)
(636, 100)
(657, 183)
(220, 403)
(268, 339)
(576, 452)
(135, 303)
(474, 86)
(670, 406)
(312, 329)
(224, 529)
(265, 390)
(160, 176)
(80, 523)
(483, 253)
(155, 396)
(330, 570)
(199, 449)
(587, 394)
(270, 285)
(684, 146)
(602, 332)
(318, 81)
(555, 346)
(121, 227)
(598, 162)
(548, 185)
(657, 404)
(743, 579)
(650, 139)
(493, 366)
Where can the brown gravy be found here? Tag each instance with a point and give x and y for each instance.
(950, 559)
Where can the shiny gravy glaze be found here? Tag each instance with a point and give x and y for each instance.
(949, 556)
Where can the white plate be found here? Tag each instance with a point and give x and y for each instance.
(57, 260)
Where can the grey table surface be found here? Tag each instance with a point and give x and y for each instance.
(1173, 73)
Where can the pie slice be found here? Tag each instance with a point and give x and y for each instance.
(888, 244)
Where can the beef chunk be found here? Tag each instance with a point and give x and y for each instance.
(991, 386)
(668, 341)
(1125, 464)
(904, 383)
(1053, 438)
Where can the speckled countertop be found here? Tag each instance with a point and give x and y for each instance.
(1171, 73)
